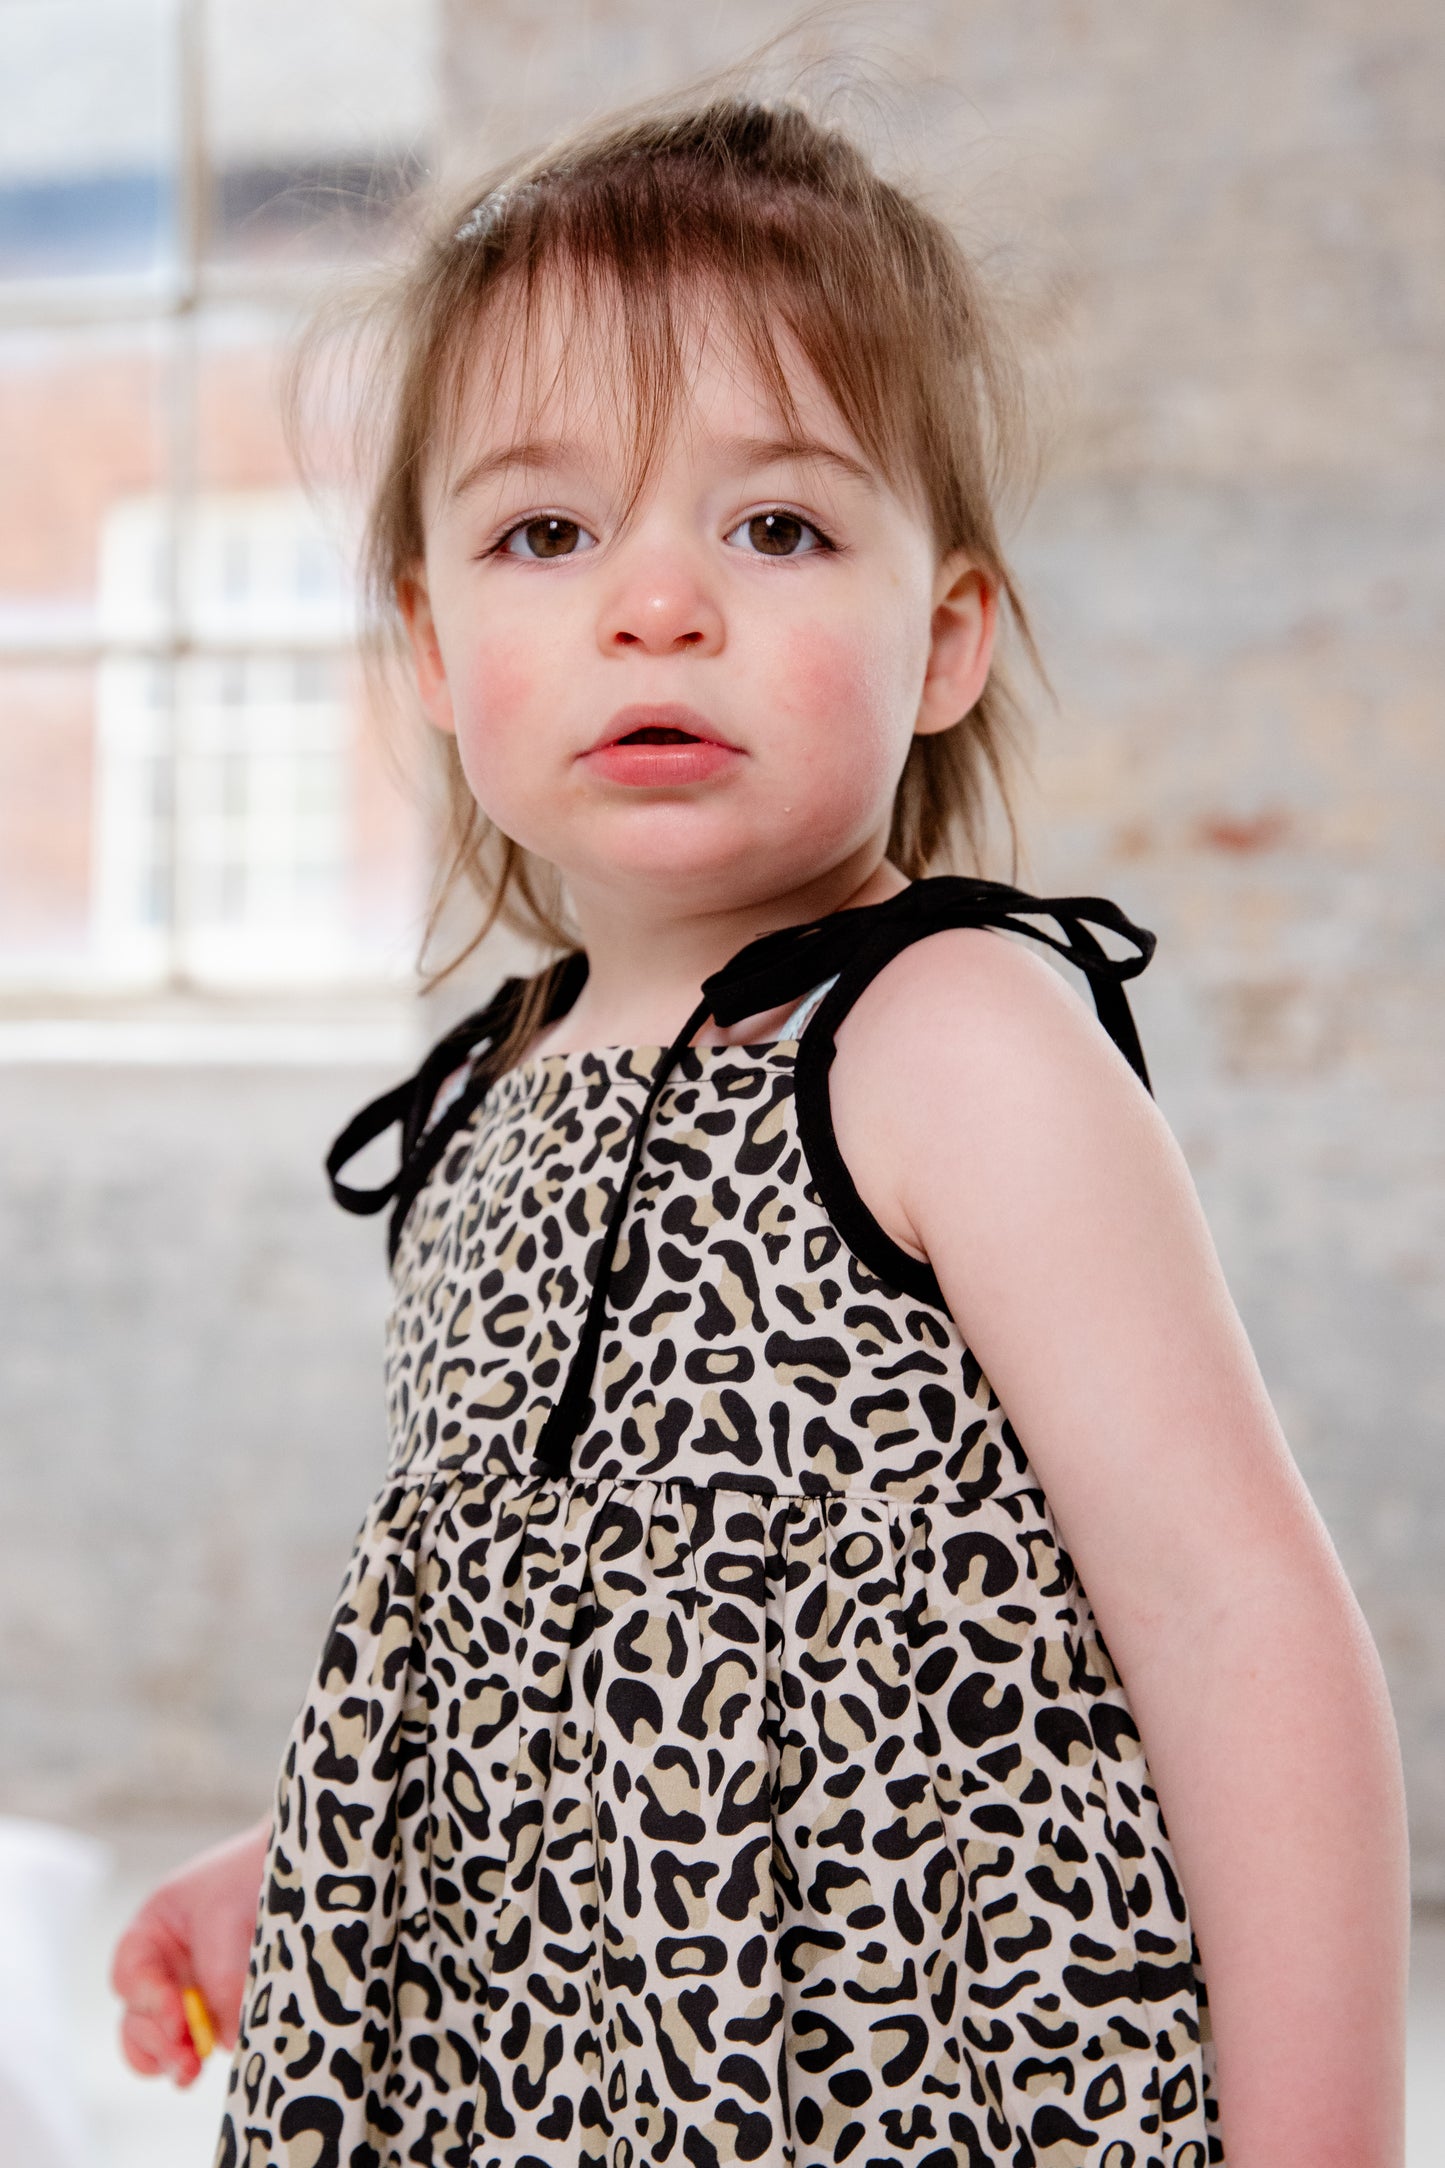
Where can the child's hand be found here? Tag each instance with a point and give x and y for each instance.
(194, 1931)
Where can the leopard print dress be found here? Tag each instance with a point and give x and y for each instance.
(761, 1790)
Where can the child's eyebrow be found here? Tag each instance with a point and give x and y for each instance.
(795, 451)
(549, 454)
(532, 454)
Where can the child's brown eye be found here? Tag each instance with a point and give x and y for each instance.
(777, 534)
(548, 536)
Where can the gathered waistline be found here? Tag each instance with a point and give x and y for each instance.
(496, 1481)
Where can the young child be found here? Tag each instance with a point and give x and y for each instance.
(841, 1652)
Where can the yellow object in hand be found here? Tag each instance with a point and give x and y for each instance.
(198, 2018)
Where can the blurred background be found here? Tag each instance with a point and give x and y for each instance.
(1222, 232)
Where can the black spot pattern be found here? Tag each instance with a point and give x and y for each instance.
(760, 1792)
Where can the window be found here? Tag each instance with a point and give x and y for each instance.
(193, 792)
(224, 779)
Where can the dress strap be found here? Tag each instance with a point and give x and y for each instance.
(429, 1118)
(932, 907)
(828, 962)
(847, 950)
(569, 1411)
(857, 944)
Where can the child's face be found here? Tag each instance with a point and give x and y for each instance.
(771, 616)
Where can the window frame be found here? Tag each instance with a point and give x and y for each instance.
(174, 305)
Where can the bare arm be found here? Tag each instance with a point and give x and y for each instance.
(1027, 1164)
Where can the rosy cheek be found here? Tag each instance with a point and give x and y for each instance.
(500, 678)
(828, 673)
(493, 714)
(819, 669)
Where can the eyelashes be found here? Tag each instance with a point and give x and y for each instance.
(773, 533)
(778, 531)
(553, 535)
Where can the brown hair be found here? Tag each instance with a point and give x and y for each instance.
(783, 221)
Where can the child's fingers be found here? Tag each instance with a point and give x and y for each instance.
(150, 1994)
(148, 1960)
(140, 2046)
(154, 2048)
(155, 2033)
(144, 2045)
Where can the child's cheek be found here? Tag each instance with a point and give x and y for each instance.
(501, 688)
(495, 726)
(503, 675)
(812, 669)
(830, 676)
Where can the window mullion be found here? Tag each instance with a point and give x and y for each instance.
(183, 383)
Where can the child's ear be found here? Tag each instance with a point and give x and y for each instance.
(960, 644)
(426, 655)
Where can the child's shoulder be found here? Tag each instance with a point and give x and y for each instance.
(974, 1092)
(970, 1009)
(949, 971)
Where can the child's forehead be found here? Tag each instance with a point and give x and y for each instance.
(562, 372)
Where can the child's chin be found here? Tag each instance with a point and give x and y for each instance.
(699, 855)
(722, 877)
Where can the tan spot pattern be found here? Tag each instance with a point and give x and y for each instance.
(761, 1792)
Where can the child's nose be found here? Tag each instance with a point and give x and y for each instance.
(661, 607)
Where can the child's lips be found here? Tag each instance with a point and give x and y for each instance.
(661, 746)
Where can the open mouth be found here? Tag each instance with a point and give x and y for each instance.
(661, 747)
(659, 734)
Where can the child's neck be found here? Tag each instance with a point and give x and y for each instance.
(645, 967)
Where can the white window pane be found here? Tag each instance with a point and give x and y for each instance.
(265, 825)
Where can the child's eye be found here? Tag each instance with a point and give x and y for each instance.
(778, 534)
(548, 535)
